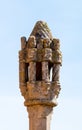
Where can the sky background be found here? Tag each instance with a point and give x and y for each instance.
(17, 19)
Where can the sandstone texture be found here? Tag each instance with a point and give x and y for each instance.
(40, 59)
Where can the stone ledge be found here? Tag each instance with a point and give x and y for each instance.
(40, 102)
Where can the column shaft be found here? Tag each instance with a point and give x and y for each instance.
(45, 71)
(22, 72)
(39, 117)
(37, 123)
(32, 71)
(55, 72)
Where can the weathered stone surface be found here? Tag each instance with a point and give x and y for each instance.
(23, 42)
(40, 59)
(31, 54)
(22, 56)
(57, 59)
(39, 55)
(31, 42)
(39, 115)
(56, 55)
(45, 72)
(38, 90)
(46, 43)
(40, 44)
(56, 69)
(32, 71)
(47, 54)
(41, 30)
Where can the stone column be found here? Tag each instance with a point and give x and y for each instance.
(32, 71)
(55, 72)
(45, 72)
(22, 73)
(39, 117)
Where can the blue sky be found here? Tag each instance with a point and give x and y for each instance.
(17, 18)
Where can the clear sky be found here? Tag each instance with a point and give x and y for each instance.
(17, 18)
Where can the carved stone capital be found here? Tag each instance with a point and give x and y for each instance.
(38, 90)
(42, 93)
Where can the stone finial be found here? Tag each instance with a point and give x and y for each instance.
(40, 59)
(41, 30)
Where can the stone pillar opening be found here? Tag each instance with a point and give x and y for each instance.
(38, 71)
(26, 72)
(50, 67)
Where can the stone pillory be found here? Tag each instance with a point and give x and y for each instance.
(39, 64)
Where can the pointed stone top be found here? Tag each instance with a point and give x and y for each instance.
(41, 30)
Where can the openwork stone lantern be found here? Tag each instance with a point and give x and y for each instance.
(39, 64)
